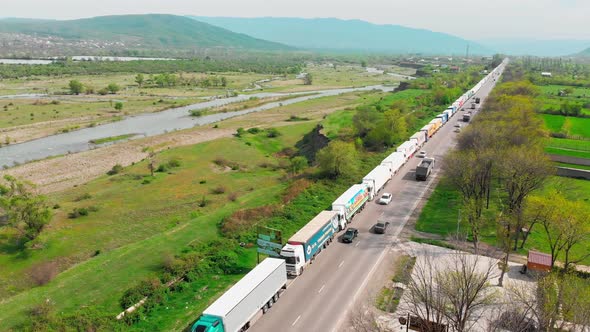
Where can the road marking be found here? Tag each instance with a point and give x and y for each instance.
(295, 322)
(321, 289)
(357, 244)
(341, 263)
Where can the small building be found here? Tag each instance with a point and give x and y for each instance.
(546, 74)
(538, 261)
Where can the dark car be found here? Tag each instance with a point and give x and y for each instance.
(380, 227)
(349, 235)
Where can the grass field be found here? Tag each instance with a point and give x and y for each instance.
(573, 166)
(570, 153)
(134, 230)
(441, 213)
(553, 90)
(577, 126)
(569, 144)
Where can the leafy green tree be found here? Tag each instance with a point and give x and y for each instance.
(119, 106)
(76, 87)
(113, 88)
(337, 159)
(26, 212)
(297, 164)
(139, 79)
(307, 79)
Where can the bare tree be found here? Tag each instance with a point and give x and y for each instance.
(454, 291)
(364, 318)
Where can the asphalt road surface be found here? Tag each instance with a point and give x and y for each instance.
(321, 297)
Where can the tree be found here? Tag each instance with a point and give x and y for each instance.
(307, 79)
(113, 88)
(298, 164)
(524, 170)
(338, 158)
(26, 213)
(139, 79)
(76, 87)
(151, 155)
(119, 106)
(454, 289)
(363, 63)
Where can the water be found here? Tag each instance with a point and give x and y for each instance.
(25, 62)
(150, 124)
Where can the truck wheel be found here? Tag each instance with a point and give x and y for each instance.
(265, 308)
(301, 270)
(275, 297)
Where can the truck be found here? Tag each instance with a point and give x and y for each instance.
(394, 161)
(449, 113)
(437, 123)
(424, 169)
(452, 108)
(419, 138)
(443, 117)
(309, 241)
(467, 117)
(477, 100)
(235, 309)
(429, 129)
(348, 204)
(407, 148)
(376, 179)
(473, 105)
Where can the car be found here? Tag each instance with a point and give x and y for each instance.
(385, 199)
(380, 227)
(457, 130)
(349, 235)
(421, 154)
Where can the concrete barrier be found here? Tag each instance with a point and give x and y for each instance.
(573, 173)
(569, 160)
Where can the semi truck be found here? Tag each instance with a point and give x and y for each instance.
(407, 148)
(394, 161)
(437, 123)
(419, 138)
(376, 179)
(452, 108)
(424, 169)
(235, 310)
(443, 117)
(429, 129)
(348, 204)
(449, 113)
(309, 241)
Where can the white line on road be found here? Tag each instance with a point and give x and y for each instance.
(357, 244)
(321, 289)
(341, 263)
(295, 322)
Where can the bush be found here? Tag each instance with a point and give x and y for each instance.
(232, 196)
(173, 163)
(202, 181)
(115, 170)
(43, 273)
(78, 212)
(56, 206)
(218, 190)
(240, 132)
(272, 132)
(245, 219)
(162, 168)
(196, 113)
(146, 181)
(137, 293)
(254, 130)
(83, 197)
(204, 202)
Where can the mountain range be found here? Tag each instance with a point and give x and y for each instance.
(537, 47)
(140, 31)
(330, 34)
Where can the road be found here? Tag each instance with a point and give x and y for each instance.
(320, 299)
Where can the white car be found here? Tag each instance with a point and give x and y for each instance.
(385, 199)
(421, 154)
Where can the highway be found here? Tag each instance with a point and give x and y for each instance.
(321, 297)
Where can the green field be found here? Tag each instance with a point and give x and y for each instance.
(441, 212)
(570, 153)
(133, 229)
(573, 166)
(553, 90)
(577, 126)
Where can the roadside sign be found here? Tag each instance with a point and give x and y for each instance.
(269, 241)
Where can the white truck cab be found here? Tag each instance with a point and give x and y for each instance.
(295, 259)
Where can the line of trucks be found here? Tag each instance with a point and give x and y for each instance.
(257, 291)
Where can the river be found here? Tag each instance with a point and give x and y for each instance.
(150, 124)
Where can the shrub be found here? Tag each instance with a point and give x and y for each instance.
(196, 113)
(233, 196)
(115, 170)
(204, 202)
(203, 181)
(43, 273)
(78, 212)
(240, 132)
(254, 130)
(83, 197)
(137, 293)
(272, 132)
(162, 168)
(56, 206)
(218, 190)
(245, 219)
(146, 181)
(173, 163)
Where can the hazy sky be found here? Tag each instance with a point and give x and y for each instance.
(474, 19)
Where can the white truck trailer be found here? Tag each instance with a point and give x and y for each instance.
(376, 179)
(256, 291)
(309, 241)
(348, 204)
(394, 161)
(408, 148)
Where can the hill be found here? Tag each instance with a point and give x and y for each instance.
(139, 32)
(585, 53)
(346, 35)
(555, 47)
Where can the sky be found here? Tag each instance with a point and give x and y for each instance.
(472, 19)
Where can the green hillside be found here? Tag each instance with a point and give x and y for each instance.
(141, 31)
(347, 35)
